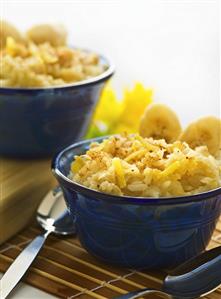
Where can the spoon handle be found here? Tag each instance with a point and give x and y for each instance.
(20, 265)
(142, 292)
(198, 282)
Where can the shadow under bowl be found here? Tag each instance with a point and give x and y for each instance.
(141, 233)
(39, 122)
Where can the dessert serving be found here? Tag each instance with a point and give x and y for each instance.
(135, 166)
(140, 201)
(42, 58)
(161, 165)
(48, 90)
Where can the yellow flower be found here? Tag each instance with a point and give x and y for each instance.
(134, 104)
(115, 116)
(109, 107)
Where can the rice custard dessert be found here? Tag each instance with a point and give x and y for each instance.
(41, 58)
(143, 167)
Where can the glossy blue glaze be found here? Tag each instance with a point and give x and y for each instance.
(39, 122)
(193, 279)
(137, 232)
(203, 279)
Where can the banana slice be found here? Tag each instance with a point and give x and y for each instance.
(205, 131)
(160, 122)
(54, 34)
(8, 30)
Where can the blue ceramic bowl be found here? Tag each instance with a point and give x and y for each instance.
(137, 232)
(38, 122)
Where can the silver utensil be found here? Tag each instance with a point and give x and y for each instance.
(195, 278)
(53, 216)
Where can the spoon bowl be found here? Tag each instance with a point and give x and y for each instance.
(52, 215)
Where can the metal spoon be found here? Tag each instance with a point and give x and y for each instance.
(53, 216)
(193, 279)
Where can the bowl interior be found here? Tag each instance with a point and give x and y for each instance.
(61, 168)
(87, 82)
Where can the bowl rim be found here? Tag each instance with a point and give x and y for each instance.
(93, 80)
(122, 199)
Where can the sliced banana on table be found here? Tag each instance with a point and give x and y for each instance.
(160, 122)
(205, 131)
(56, 35)
(6, 30)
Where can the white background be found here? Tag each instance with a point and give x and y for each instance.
(172, 46)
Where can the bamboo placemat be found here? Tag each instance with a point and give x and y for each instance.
(64, 269)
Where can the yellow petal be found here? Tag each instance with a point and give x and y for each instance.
(134, 104)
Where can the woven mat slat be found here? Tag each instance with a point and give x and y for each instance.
(64, 269)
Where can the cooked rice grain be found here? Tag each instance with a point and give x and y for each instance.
(31, 65)
(144, 167)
